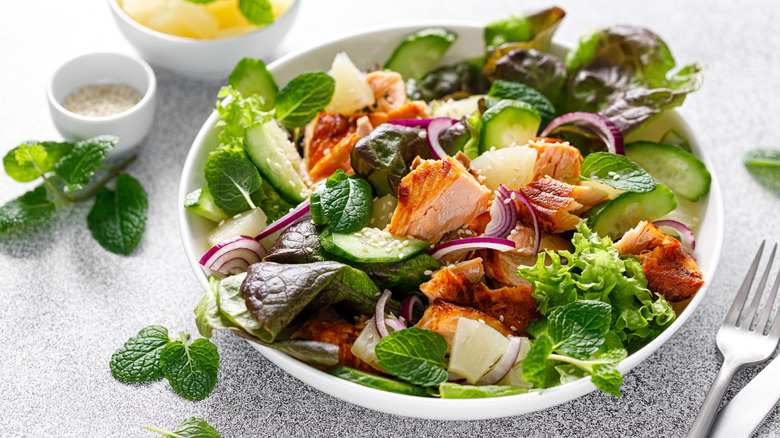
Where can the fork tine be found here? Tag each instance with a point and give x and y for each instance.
(739, 300)
(775, 331)
(759, 291)
(764, 319)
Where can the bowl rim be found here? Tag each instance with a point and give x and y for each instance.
(119, 12)
(84, 59)
(455, 409)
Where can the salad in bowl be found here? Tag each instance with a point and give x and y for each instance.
(474, 217)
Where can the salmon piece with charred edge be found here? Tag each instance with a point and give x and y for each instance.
(389, 90)
(415, 109)
(557, 204)
(514, 306)
(338, 333)
(324, 133)
(502, 265)
(442, 318)
(670, 271)
(338, 158)
(557, 160)
(437, 197)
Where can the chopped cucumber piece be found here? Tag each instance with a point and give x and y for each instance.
(249, 223)
(675, 138)
(251, 77)
(384, 207)
(419, 52)
(376, 382)
(613, 218)
(672, 166)
(273, 164)
(508, 122)
(201, 202)
(371, 245)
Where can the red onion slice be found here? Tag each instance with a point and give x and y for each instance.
(595, 123)
(685, 233)
(285, 221)
(504, 365)
(395, 324)
(379, 317)
(233, 255)
(518, 196)
(472, 243)
(408, 305)
(435, 128)
(503, 215)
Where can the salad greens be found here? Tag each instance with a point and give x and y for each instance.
(454, 390)
(530, 31)
(616, 171)
(414, 355)
(232, 180)
(117, 219)
(540, 70)
(502, 89)
(191, 369)
(189, 428)
(302, 98)
(764, 165)
(342, 202)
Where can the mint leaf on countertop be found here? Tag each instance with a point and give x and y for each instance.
(232, 180)
(616, 171)
(191, 369)
(118, 218)
(258, 12)
(138, 360)
(80, 164)
(189, 428)
(764, 166)
(32, 207)
(30, 160)
(344, 203)
(415, 355)
(302, 98)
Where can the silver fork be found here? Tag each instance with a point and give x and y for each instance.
(739, 344)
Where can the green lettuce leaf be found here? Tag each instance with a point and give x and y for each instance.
(764, 165)
(534, 30)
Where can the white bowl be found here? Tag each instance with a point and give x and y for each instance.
(202, 58)
(364, 49)
(130, 126)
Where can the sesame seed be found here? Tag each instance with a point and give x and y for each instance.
(400, 256)
(388, 250)
(351, 91)
(422, 134)
(268, 160)
(514, 329)
(427, 272)
(492, 148)
(610, 173)
(277, 165)
(507, 200)
(482, 321)
(389, 203)
(358, 235)
(406, 243)
(378, 294)
(501, 318)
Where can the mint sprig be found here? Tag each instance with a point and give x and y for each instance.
(190, 428)
(191, 369)
(138, 360)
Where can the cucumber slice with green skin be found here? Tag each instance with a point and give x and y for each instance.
(371, 245)
(376, 382)
(251, 77)
(201, 202)
(273, 164)
(419, 52)
(613, 218)
(508, 122)
(685, 174)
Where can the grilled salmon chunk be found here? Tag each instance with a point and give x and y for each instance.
(442, 318)
(324, 133)
(556, 160)
(670, 271)
(557, 204)
(342, 334)
(514, 306)
(437, 197)
(389, 90)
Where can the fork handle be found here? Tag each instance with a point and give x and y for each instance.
(703, 422)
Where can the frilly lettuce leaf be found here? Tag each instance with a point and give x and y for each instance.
(540, 70)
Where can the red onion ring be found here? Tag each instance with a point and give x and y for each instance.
(503, 215)
(435, 128)
(408, 305)
(233, 255)
(685, 233)
(379, 316)
(285, 221)
(595, 123)
(505, 364)
(472, 243)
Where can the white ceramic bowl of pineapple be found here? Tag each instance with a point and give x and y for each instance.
(199, 41)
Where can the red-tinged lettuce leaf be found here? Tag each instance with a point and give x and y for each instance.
(539, 70)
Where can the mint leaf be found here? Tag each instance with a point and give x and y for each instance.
(189, 428)
(604, 373)
(138, 360)
(118, 218)
(30, 208)
(80, 164)
(415, 355)
(303, 97)
(453, 390)
(29, 161)
(258, 12)
(345, 203)
(616, 171)
(764, 166)
(191, 369)
(232, 179)
(579, 328)
(534, 364)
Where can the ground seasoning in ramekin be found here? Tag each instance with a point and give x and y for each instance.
(101, 100)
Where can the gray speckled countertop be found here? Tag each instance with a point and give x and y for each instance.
(67, 304)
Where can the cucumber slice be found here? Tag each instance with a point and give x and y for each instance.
(508, 122)
(201, 202)
(419, 52)
(384, 207)
(371, 245)
(251, 77)
(273, 164)
(672, 166)
(376, 382)
(613, 218)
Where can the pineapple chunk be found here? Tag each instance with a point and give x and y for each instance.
(513, 166)
(141, 10)
(352, 93)
(611, 191)
(475, 349)
(249, 223)
(455, 109)
(196, 18)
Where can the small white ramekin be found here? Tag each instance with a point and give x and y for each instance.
(130, 126)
